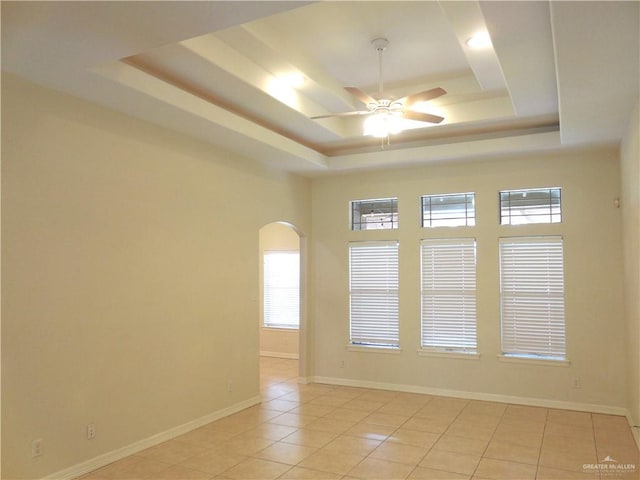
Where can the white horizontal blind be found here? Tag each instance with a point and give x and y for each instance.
(373, 289)
(532, 296)
(449, 294)
(282, 289)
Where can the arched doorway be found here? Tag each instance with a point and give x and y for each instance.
(282, 317)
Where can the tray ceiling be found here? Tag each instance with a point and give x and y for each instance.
(558, 74)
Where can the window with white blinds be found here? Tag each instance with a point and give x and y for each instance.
(373, 292)
(449, 294)
(281, 289)
(532, 297)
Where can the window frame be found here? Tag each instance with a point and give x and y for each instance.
(393, 214)
(469, 220)
(506, 214)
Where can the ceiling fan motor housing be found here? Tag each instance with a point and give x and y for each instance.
(380, 44)
(386, 105)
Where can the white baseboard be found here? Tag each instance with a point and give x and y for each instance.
(294, 356)
(489, 397)
(110, 457)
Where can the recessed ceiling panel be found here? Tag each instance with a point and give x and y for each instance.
(337, 37)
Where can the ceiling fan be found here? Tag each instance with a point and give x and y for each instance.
(385, 106)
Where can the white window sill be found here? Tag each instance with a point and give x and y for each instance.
(280, 329)
(446, 354)
(547, 362)
(374, 349)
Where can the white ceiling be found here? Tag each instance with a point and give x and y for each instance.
(559, 74)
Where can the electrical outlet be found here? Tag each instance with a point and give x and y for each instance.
(91, 431)
(576, 382)
(36, 448)
(229, 386)
(342, 364)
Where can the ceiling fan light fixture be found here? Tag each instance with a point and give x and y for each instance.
(381, 125)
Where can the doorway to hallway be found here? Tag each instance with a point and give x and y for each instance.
(281, 302)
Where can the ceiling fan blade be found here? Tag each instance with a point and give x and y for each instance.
(422, 117)
(343, 114)
(360, 95)
(423, 96)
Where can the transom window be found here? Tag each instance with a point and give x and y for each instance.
(450, 210)
(536, 205)
(374, 214)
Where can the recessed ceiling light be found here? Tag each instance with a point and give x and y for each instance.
(479, 40)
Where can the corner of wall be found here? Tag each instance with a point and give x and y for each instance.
(630, 194)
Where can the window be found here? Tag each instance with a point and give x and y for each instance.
(373, 291)
(532, 297)
(540, 205)
(376, 214)
(452, 210)
(449, 294)
(282, 289)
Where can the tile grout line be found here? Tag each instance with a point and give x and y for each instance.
(343, 433)
(369, 455)
(489, 442)
(544, 429)
(398, 428)
(440, 437)
(595, 442)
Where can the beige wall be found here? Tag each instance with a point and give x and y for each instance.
(130, 282)
(593, 273)
(630, 175)
(130, 279)
(277, 342)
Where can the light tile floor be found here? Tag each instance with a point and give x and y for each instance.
(329, 432)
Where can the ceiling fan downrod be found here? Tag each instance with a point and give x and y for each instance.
(380, 44)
